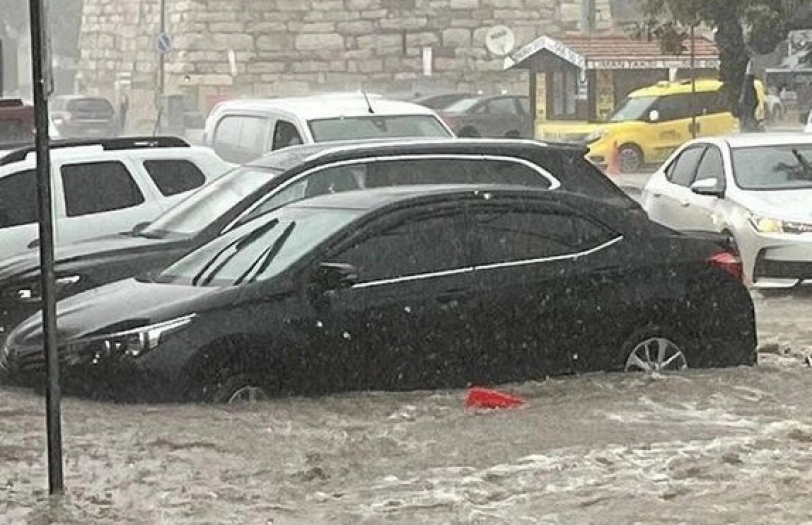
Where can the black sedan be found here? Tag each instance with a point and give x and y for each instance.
(290, 174)
(405, 288)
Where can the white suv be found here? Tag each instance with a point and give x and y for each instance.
(99, 187)
(244, 129)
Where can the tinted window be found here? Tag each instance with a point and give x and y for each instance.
(91, 108)
(711, 166)
(711, 102)
(359, 128)
(174, 176)
(285, 134)
(98, 187)
(416, 246)
(578, 175)
(18, 199)
(674, 107)
(511, 234)
(683, 168)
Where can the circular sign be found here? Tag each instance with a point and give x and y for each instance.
(164, 42)
(500, 40)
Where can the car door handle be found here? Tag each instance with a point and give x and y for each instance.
(34, 243)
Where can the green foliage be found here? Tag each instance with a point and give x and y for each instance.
(743, 28)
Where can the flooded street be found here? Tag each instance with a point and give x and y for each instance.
(711, 446)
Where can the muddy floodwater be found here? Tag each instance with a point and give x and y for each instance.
(704, 447)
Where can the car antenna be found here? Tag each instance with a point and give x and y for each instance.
(369, 104)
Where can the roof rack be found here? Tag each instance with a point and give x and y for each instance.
(120, 143)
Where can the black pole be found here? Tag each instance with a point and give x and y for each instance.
(46, 245)
(693, 82)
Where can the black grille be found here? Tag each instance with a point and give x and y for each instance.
(783, 269)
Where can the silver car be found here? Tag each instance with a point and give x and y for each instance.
(755, 188)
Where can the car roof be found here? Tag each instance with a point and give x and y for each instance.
(371, 199)
(329, 106)
(391, 147)
(752, 140)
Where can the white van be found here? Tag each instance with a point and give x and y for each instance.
(243, 129)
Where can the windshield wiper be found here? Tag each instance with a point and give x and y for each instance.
(807, 168)
(237, 244)
(265, 258)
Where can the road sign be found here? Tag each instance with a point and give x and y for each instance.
(500, 40)
(164, 42)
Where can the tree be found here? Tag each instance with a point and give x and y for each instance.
(743, 28)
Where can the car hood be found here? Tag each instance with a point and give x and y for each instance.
(112, 246)
(780, 204)
(118, 306)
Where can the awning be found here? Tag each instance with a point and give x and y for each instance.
(614, 51)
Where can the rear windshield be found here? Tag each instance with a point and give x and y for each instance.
(377, 126)
(91, 106)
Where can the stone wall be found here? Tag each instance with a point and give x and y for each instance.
(264, 48)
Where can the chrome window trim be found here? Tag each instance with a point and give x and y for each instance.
(470, 269)
(554, 182)
(569, 256)
(416, 277)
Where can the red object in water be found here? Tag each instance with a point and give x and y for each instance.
(479, 397)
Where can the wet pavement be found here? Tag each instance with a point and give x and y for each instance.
(710, 446)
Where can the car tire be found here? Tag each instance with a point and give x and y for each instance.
(236, 388)
(631, 158)
(654, 349)
(469, 132)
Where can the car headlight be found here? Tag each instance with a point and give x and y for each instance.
(772, 225)
(595, 136)
(31, 291)
(137, 341)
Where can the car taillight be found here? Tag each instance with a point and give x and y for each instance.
(729, 262)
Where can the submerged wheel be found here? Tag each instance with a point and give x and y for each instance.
(631, 158)
(654, 351)
(237, 389)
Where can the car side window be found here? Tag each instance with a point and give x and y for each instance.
(416, 246)
(98, 187)
(502, 106)
(524, 105)
(254, 135)
(683, 169)
(711, 166)
(452, 171)
(227, 137)
(510, 234)
(285, 134)
(173, 176)
(18, 199)
(674, 107)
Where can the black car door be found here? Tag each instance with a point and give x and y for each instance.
(400, 326)
(528, 268)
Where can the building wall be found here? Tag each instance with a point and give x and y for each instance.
(263, 48)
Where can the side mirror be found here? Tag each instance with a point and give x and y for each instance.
(653, 115)
(708, 187)
(335, 276)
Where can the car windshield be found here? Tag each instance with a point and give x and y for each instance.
(780, 167)
(259, 250)
(377, 126)
(198, 210)
(633, 108)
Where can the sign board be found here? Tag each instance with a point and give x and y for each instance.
(550, 45)
(652, 64)
(164, 42)
(500, 40)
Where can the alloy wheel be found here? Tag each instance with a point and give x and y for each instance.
(656, 354)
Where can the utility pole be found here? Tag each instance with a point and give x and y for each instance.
(41, 75)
